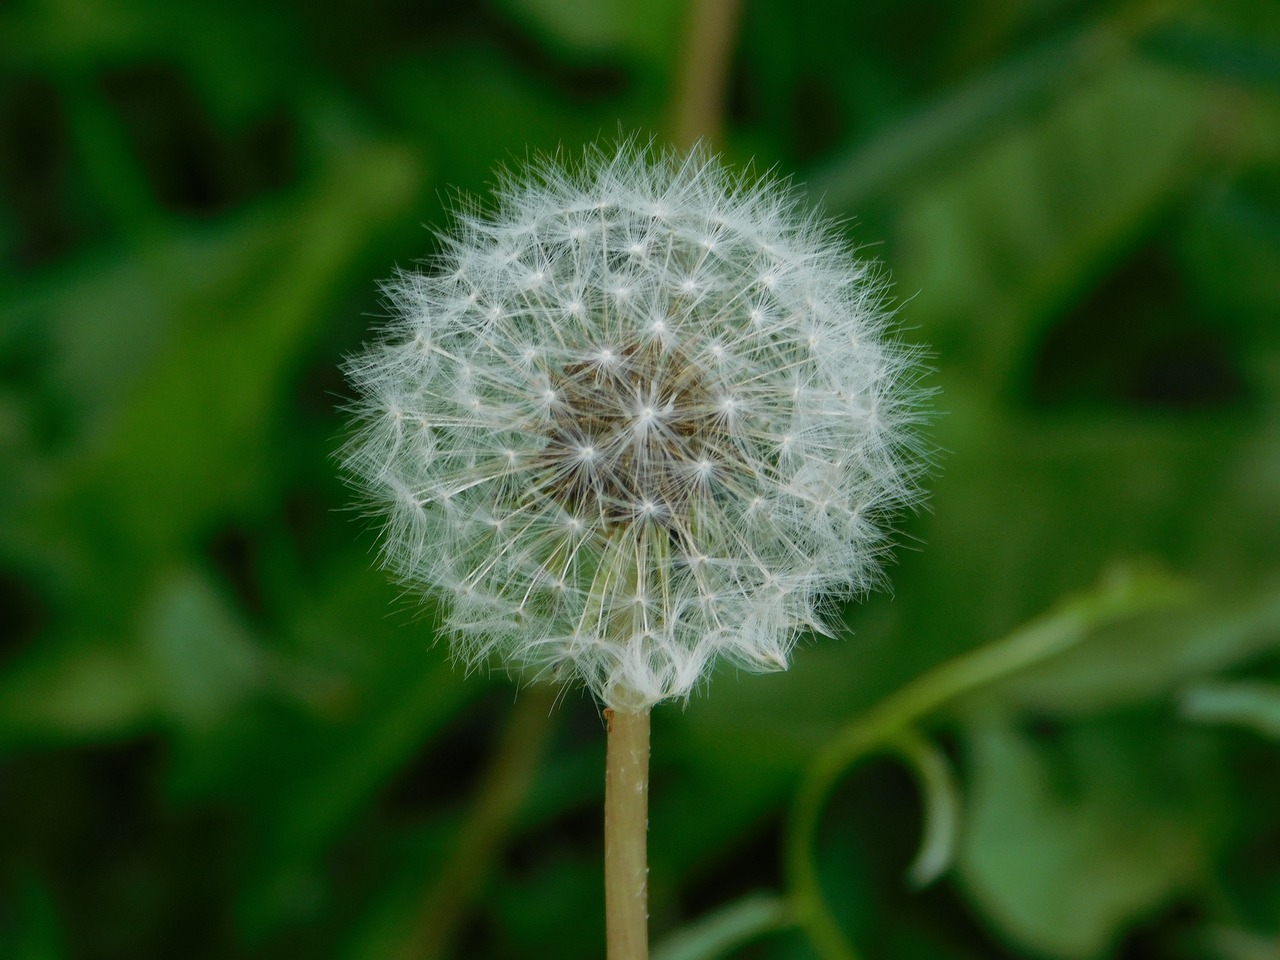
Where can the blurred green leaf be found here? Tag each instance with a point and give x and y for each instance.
(307, 775)
(1230, 249)
(890, 726)
(205, 404)
(645, 32)
(30, 928)
(216, 320)
(1233, 40)
(1066, 843)
(192, 664)
(82, 691)
(236, 52)
(204, 661)
(1008, 234)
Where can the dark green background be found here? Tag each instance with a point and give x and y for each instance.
(225, 735)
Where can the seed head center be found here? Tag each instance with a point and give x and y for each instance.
(630, 437)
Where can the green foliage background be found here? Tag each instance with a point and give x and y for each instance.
(224, 734)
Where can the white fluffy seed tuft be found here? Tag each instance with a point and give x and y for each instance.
(643, 415)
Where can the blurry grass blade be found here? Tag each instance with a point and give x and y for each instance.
(419, 915)
(727, 928)
(1245, 59)
(1253, 705)
(512, 769)
(307, 780)
(986, 106)
(315, 804)
(116, 171)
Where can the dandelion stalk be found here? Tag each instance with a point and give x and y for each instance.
(643, 416)
(704, 71)
(626, 823)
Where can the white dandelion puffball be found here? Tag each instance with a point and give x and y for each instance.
(641, 415)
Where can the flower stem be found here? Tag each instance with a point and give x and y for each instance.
(704, 71)
(626, 821)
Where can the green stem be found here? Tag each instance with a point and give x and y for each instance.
(891, 724)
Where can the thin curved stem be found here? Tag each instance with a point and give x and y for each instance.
(892, 724)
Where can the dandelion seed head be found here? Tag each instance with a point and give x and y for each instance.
(671, 441)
